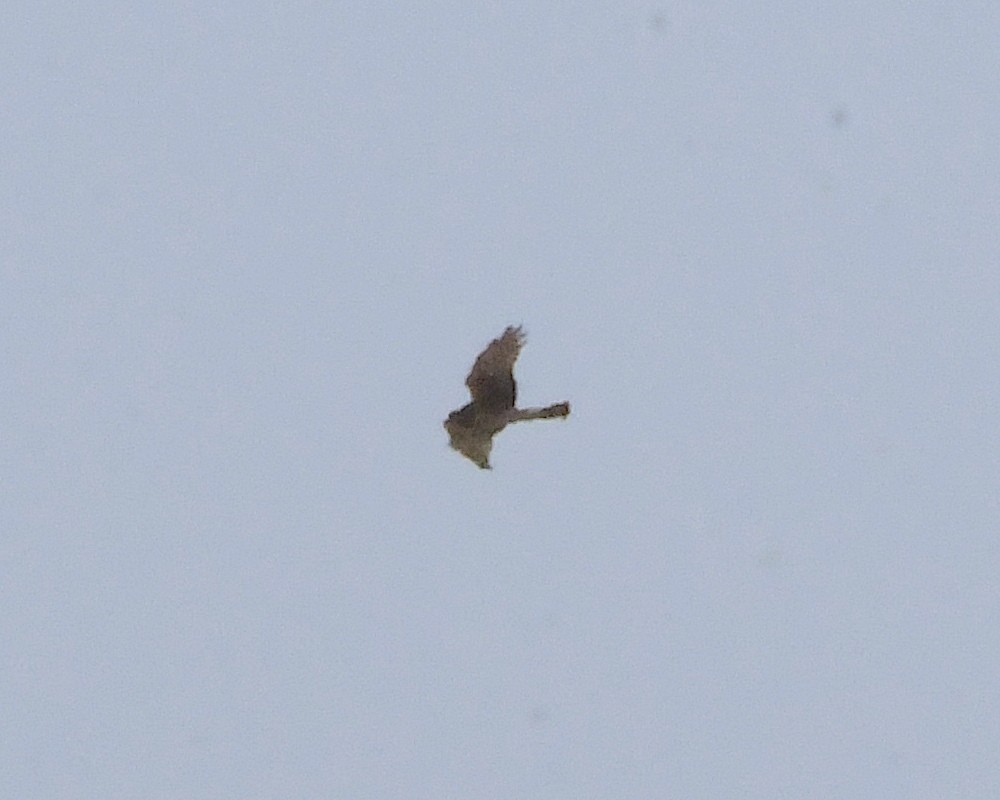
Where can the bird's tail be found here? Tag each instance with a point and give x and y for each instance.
(557, 410)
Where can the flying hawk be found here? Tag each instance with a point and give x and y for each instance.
(494, 394)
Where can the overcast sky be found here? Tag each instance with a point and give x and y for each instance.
(249, 253)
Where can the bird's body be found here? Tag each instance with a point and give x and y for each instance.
(494, 397)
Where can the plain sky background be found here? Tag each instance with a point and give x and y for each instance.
(250, 251)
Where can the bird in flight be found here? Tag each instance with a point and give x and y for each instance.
(494, 397)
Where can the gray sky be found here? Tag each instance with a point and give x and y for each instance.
(250, 251)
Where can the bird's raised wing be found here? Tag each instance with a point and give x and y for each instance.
(491, 380)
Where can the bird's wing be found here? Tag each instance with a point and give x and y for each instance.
(491, 380)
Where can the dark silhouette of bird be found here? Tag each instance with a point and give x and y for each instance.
(494, 398)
